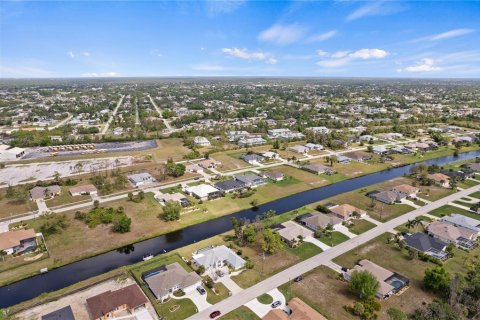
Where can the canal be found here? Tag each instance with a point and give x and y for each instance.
(72, 273)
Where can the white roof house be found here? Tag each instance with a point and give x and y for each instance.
(217, 257)
(459, 220)
(201, 141)
(139, 179)
(202, 191)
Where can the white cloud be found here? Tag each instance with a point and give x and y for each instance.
(341, 58)
(86, 54)
(322, 53)
(71, 54)
(249, 55)
(282, 34)
(100, 74)
(369, 53)
(340, 54)
(424, 65)
(446, 35)
(377, 8)
(216, 7)
(322, 36)
(208, 67)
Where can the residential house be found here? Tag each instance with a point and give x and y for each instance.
(296, 310)
(367, 138)
(460, 220)
(109, 304)
(390, 282)
(217, 257)
(201, 141)
(462, 237)
(270, 155)
(292, 232)
(299, 149)
(64, 313)
(401, 150)
(322, 130)
(167, 279)
(229, 185)
(237, 135)
(405, 190)
(252, 158)
(459, 175)
(317, 168)
(118, 131)
(41, 193)
(359, 156)
(314, 146)
(252, 141)
(203, 192)
(472, 166)
(175, 197)
(320, 220)
(250, 180)
(193, 168)
(390, 136)
(140, 179)
(380, 150)
(209, 164)
(18, 241)
(439, 179)
(347, 212)
(343, 159)
(88, 189)
(427, 244)
(275, 176)
(387, 196)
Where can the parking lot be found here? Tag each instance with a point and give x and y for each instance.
(45, 152)
(16, 174)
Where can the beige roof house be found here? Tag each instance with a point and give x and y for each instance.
(85, 189)
(449, 233)
(167, 279)
(12, 239)
(292, 231)
(390, 282)
(440, 179)
(345, 211)
(321, 220)
(39, 193)
(406, 189)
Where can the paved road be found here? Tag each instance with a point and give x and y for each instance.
(244, 296)
(167, 124)
(110, 119)
(61, 123)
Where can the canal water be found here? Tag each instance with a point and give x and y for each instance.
(69, 274)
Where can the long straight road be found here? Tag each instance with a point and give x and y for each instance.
(167, 124)
(110, 119)
(246, 295)
(61, 123)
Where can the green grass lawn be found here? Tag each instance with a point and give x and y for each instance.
(242, 313)
(265, 299)
(475, 195)
(222, 293)
(360, 226)
(187, 309)
(334, 238)
(467, 184)
(305, 250)
(465, 204)
(447, 210)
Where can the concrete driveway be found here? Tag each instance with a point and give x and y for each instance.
(261, 309)
(198, 299)
(317, 242)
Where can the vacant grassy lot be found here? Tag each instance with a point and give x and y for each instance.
(333, 238)
(12, 207)
(475, 195)
(242, 313)
(169, 148)
(360, 226)
(305, 250)
(467, 184)
(229, 163)
(308, 179)
(447, 210)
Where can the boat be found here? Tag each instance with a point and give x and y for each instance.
(44, 270)
(147, 257)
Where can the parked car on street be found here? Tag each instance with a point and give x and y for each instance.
(215, 314)
(201, 290)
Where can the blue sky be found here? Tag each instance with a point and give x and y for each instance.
(240, 38)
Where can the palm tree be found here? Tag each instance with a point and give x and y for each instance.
(3, 253)
(413, 223)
